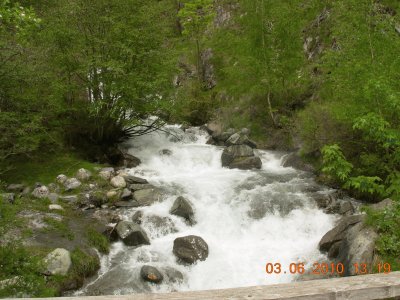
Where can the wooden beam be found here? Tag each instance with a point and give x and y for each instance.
(366, 287)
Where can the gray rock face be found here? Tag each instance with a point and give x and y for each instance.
(40, 192)
(173, 275)
(236, 139)
(166, 152)
(83, 174)
(137, 217)
(146, 197)
(135, 180)
(151, 274)
(190, 249)
(241, 157)
(338, 233)
(72, 184)
(295, 161)
(182, 208)
(118, 182)
(58, 262)
(387, 203)
(138, 187)
(132, 234)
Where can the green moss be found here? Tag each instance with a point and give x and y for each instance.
(98, 240)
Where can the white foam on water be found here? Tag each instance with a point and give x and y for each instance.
(286, 229)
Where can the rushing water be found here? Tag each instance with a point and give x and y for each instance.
(247, 218)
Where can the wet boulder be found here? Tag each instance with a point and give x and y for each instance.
(107, 173)
(240, 157)
(173, 275)
(183, 208)
(137, 186)
(190, 249)
(126, 195)
(151, 274)
(130, 179)
(132, 234)
(237, 139)
(146, 197)
(131, 161)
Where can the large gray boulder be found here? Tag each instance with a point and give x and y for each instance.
(339, 232)
(182, 208)
(118, 182)
(237, 139)
(131, 161)
(151, 274)
(240, 157)
(146, 197)
(190, 249)
(58, 262)
(384, 204)
(131, 234)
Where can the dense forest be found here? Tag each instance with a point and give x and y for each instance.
(319, 78)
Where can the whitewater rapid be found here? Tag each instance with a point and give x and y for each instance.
(247, 218)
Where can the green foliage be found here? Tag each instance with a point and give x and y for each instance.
(387, 223)
(83, 264)
(23, 269)
(98, 240)
(365, 184)
(335, 164)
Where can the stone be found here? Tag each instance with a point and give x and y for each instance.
(137, 217)
(40, 192)
(246, 163)
(338, 233)
(8, 197)
(15, 188)
(211, 127)
(232, 152)
(236, 139)
(211, 141)
(72, 184)
(132, 234)
(61, 178)
(224, 136)
(146, 197)
(358, 248)
(97, 198)
(294, 160)
(346, 208)
(251, 143)
(166, 152)
(55, 207)
(126, 195)
(151, 274)
(58, 262)
(245, 131)
(83, 174)
(182, 208)
(113, 194)
(131, 161)
(107, 173)
(190, 249)
(111, 233)
(138, 187)
(118, 182)
(134, 180)
(384, 204)
(125, 204)
(173, 275)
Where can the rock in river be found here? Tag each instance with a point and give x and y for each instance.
(190, 249)
(151, 274)
(240, 157)
(58, 262)
(132, 234)
(182, 208)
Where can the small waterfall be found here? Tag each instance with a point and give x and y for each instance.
(248, 218)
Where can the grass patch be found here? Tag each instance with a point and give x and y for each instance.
(98, 240)
(59, 227)
(83, 264)
(23, 269)
(46, 169)
(387, 223)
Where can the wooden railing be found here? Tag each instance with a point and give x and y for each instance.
(367, 287)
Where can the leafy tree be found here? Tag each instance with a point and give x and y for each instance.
(196, 16)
